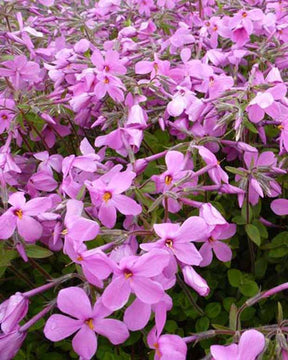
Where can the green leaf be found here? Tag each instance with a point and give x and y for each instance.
(261, 227)
(250, 126)
(234, 277)
(37, 252)
(249, 288)
(213, 309)
(202, 324)
(253, 234)
(235, 171)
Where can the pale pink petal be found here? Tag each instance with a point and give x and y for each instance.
(37, 205)
(148, 291)
(279, 207)
(174, 160)
(75, 302)
(222, 251)
(83, 229)
(119, 286)
(85, 342)
(59, 327)
(251, 344)
(143, 67)
(116, 331)
(256, 186)
(107, 215)
(207, 254)
(220, 352)
(193, 229)
(29, 228)
(151, 264)
(126, 205)
(7, 225)
(193, 279)
(137, 315)
(166, 230)
(17, 199)
(187, 253)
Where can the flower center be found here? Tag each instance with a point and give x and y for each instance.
(64, 232)
(168, 179)
(106, 196)
(18, 213)
(169, 243)
(79, 258)
(89, 322)
(211, 240)
(244, 14)
(280, 127)
(128, 274)
(106, 80)
(156, 346)
(106, 68)
(215, 27)
(211, 81)
(4, 117)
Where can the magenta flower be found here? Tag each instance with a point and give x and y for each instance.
(216, 173)
(109, 84)
(134, 274)
(110, 65)
(7, 113)
(10, 344)
(20, 71)
(87, 321)
(106, 194)
(176, 239)
(214, 242)
(12, 311)
(251, 344)
(21, 216)
(167, 347)
(280, 206)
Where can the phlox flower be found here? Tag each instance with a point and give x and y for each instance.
(6, 113)
(167, 347)
(280, 206)
(106, 194)
(20, 71)
(87, 321)
(21, 216)
(11, 343)
(176, 239)
(218, 230)
(110, 64)
(109, 84)
(12, 311)
(133, 274)
(251, 344)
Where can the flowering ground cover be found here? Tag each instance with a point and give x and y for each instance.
(143, 179)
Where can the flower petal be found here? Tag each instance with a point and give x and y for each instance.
(29, 228)
(115, 330)
(147, 290)
(85, 342)
(119, 286)
(7, 225)
(75, 302)
(59, 327)
(137, 315)
(251, 344)
(126, 205)
(220, 352)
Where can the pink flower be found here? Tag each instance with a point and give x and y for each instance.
(20, 71)
(12, 311)
(195, 281)
(10, 344)
(21, 216)
(176, 239)
(6, 113)
(111, 64)
(134, 274)
(251, 344)
(167, 347)
(280, 206)
(109, 84)
(106, 194)
(87, 321)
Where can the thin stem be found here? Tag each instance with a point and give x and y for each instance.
(40, 269)
(189, 295)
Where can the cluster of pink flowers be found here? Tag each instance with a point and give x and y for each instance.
(82, 98)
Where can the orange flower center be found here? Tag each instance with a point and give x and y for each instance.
(244, 14)
(4, 117)
(89, 322)
(128, 274)
(107, 68)
(169, 243)
(168, 179)
(106, 196)
(64, 232)
(106, 80)
(156, 346)
(280, 127)
(79, 258)
(19, 213)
